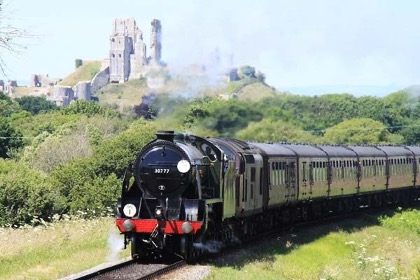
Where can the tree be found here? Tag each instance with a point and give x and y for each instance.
(411, 133)
(9, 138)
(8, 106)
(246, 71)
(35, 104)
(275, 131)
(360, 131)
(227, 117)
(88, 108)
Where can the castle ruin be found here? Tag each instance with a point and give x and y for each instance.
(127, 60)
(127, 56)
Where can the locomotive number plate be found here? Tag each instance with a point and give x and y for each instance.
(161, 170)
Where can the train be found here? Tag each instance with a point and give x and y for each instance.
(183, 191)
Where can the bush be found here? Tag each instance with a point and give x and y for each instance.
(84, 191)
(25, 194)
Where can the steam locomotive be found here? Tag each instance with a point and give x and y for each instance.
(183, 190)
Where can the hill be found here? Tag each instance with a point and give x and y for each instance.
(83, 73)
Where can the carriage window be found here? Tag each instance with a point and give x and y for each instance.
(249, 159)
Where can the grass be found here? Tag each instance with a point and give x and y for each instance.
(370, 248)
(86, 72)
(59, 249)
(123, 96)
(256, 91)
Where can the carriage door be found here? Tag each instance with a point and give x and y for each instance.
(252, 182)
(291, 188)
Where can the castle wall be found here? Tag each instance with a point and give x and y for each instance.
(39, 80)
(100, 80)
(82, 91)
(62, 96)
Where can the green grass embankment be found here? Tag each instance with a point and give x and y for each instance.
(370, 248)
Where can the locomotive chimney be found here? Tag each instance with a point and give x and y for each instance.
(168, 135)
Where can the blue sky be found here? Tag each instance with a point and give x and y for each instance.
(295, 43)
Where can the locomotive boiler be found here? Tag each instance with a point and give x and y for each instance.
(183, 191)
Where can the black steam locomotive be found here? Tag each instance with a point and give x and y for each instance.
(183, 191)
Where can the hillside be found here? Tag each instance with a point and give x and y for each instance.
(84, 73)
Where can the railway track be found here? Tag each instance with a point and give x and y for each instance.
(131, 270)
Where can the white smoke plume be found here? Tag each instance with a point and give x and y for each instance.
(115, 245)
(212, 246)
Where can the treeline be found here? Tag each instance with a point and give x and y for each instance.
(330, 118)
(71, 160)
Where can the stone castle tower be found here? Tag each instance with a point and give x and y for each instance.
(127, 56)
(155, 42)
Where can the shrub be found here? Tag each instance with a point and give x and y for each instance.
(25, 194)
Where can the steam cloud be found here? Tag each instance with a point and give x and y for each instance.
(115, 245)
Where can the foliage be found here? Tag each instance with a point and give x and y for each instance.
(25, 193)
(88, 108)
(36, 104)
(408, 220)
(411, 132)
(83, 189)
(228, 117)
(9, 138)
(7, 105)
(45, 123)
(246, 71)
(275, 131)
(396, 110)
(198, 110)
(115, 154)
(360, 131)
(78, 62)
(72, 140)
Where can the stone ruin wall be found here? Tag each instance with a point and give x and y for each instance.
(40, 80)
(100, 80)
(156, 42)
(9, 87)
(83, 90)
